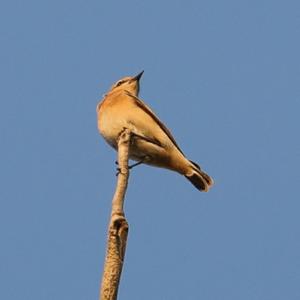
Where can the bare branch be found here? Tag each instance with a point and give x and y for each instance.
(118, 226)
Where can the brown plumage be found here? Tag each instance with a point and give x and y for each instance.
(152, 142)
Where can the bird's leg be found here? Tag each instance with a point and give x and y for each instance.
(135, 164)
(144, 159)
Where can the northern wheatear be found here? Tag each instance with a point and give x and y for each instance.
(151, 141)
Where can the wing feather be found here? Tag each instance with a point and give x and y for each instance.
(148, 110)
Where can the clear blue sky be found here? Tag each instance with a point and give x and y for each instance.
(225, 78)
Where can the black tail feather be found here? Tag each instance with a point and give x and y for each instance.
(199, 179)
(198, 182)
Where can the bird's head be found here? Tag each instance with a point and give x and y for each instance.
(130, 84)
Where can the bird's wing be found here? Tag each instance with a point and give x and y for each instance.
(148, 111)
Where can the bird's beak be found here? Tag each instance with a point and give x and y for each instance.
(138, 76)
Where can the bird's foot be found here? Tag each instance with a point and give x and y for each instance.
(144, 159)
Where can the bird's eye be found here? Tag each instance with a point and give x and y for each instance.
(119, 83)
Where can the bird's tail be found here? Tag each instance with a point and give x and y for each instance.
(198, 178)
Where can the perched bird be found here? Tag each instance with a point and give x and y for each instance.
(151, 141)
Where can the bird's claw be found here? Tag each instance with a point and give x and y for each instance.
(118, 171)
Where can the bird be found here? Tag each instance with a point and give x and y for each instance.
(151, 141)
